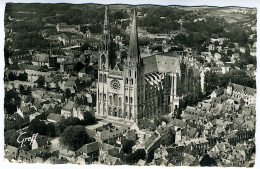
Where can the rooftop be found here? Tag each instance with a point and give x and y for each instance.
(165, 62)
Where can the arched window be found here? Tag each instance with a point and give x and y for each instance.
(126, 99)
(126, 80)
(120, 101)
(132, 81)
(99, 108)
(105, 78)
(110, 111)
(131, 99)
(120, 113)
(105, 96)
(100, 77)
(130, 114)
(129, 73)
(115, 112)
(103, 59)
(115, 98)
(104, 108)
(110, 100)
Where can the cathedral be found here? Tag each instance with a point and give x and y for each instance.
(142, 87)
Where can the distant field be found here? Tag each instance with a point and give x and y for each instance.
(229, 14)
(195, 8)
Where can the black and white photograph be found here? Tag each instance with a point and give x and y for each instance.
(135, 85)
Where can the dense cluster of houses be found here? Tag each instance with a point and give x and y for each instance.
(221, 128)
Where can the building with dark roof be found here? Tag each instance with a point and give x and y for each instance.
(248, 94)
(44, 59)
(91, 150)
(137, 88)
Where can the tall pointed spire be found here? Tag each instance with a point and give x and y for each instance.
(106, 22)
(133, 51)
(105, 44)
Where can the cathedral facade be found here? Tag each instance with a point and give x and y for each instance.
(139, 88)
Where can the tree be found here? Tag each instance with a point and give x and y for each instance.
(211, 79)
(231, 45)
(75, 137)
(236, 76)
(67, 93)
(89, 119)
(27, 91)
(136, 156)
(11, 101)
(180, 39)
(23, 76)
(139, 154)
(40, 81)
(50, 130)
(127, 146)
(70, 121)
(12, 140)
(208, 161)
(10, 108)
(21, 89)
(97, 28)
(12, 76)
(119, 15)
(130, 159)
(37, 126)
(225, 43)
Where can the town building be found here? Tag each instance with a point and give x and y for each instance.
(242, 92)
(63, 27)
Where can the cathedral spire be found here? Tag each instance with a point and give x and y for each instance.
(133, 50)
(106, 22)
(105, 44)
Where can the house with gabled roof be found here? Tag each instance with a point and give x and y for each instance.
(40, 59)
(90, 150)
(237, 91)
(217, 92)
(54, 118)
(71, 109)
